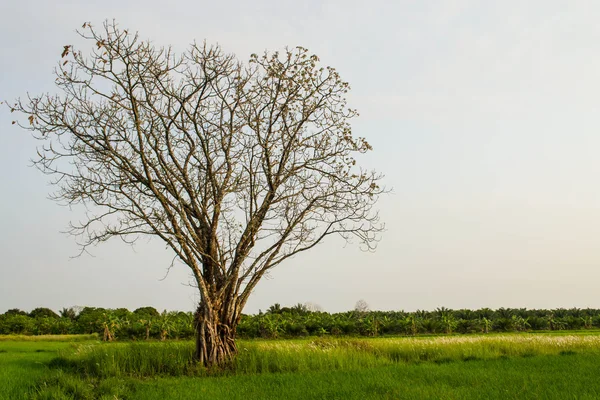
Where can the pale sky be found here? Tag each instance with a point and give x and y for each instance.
(484, 117)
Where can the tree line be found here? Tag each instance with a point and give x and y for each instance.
(147, 323)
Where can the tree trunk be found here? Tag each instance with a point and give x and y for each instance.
(215, 337)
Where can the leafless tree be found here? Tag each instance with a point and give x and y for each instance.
(313, 307)
(361, 306)
(235, 166)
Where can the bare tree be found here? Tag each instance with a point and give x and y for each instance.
(235, 166)
(313, 307)
(361, 306)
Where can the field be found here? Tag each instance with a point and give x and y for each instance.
(503, 366)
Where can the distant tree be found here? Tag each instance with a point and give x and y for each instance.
(43, 312)
(486, 325)
(148, 311)
(485, 313)
(69, 313)
(411, 324)
(361, 306)
(15, 311)
(274, 309)
(519, 323)
(17, 323)
(448, 323)
(236, 167)
(505, 313)
(587, 322)
(370, 325)
(110, 323)
(45, 325)
(442, 312)
(147, 323)
(182, 326)
(299, 309)
(313, 307)
(90, 320)
(165, 324)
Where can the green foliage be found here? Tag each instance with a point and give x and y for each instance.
(16, 324)
(15, 311)
(90, 320)
(146, 312)
(42, 312)
(69, 313)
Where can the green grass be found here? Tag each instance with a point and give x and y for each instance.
(48, 338)
(22, 363)
(541, 377)
(524, 366)
(140, 359)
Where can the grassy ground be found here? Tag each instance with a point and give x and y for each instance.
(23, 363)
(524, 366)
(48, 338)
(543, 377)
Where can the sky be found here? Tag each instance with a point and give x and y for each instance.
(483, 116)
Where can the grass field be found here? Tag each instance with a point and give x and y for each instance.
(515, 366)
(23, 363)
